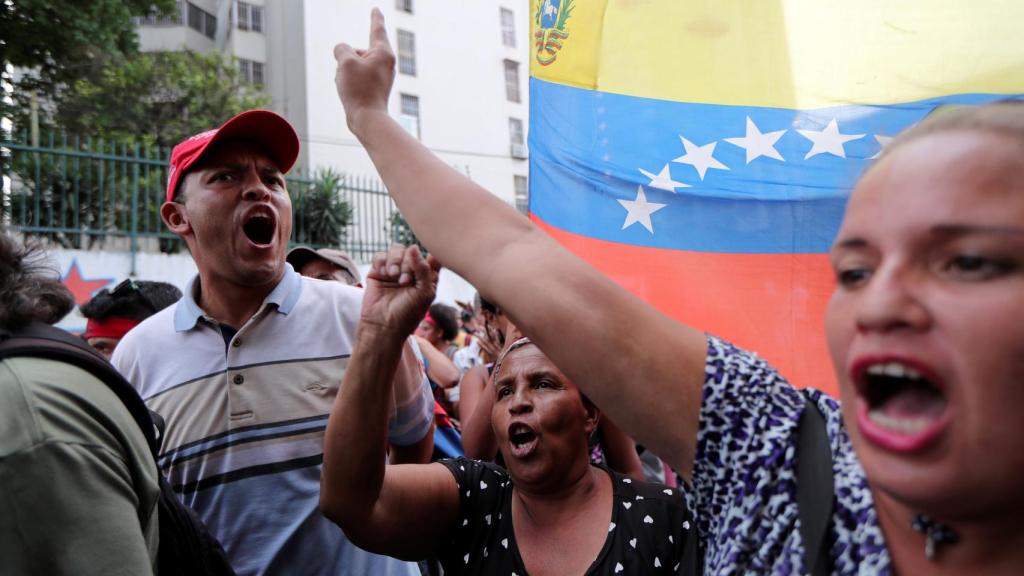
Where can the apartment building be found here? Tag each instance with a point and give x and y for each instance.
(461, 87)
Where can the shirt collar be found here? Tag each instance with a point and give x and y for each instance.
(283, 297)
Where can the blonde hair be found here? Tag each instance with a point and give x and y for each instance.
(1004, 117)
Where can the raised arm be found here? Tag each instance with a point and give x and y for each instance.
(440, 368)
(477, 434)
(640, 367)
(401, 510)
(620, 450)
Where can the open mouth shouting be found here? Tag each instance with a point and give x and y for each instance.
(901, 404)
(523, 439)
(260, 227)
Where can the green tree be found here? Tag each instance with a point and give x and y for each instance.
(60, 41)
(158, 97)
(321, 216)
(132, 109)
(401, 232)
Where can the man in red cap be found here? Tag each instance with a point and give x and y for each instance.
(245, 367)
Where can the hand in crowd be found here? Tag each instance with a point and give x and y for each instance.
(490, 343)
(364, 76)
(400, 287)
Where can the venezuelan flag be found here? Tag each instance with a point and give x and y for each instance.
(700, 152)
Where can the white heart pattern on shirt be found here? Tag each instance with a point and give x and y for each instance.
(633, 542)
(657, 562)
(648, 519)
(618, 567)
(627, 505)
(483, 485)
(504, 542)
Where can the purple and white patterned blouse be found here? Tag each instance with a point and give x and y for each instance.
(744, 480)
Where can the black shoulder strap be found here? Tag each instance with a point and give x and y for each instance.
(186, 545)
(44, 341)
(815, 493)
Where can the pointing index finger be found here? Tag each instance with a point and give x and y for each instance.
(378, 33)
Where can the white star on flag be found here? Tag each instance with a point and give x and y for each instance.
(640, 210)
(829, 140)
(700, 157)
(663, 180)
(758, 144)
(883, 141)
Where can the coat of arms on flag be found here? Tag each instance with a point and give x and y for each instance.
(551, 19)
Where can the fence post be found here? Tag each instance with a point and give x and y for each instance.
(135, 210)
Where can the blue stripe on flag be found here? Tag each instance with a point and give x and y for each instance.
(588, 151)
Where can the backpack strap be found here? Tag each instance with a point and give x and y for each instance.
(815, 491)
(43, 341)
(186, 545)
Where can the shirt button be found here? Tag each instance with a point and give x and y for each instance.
(238, 379)
(236, 342)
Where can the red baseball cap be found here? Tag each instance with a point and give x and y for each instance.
(267, 129)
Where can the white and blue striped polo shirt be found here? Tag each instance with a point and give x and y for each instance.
(246, 419)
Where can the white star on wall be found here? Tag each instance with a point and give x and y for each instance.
(640, 210)
(828, 141)
(663, 180)
(883, 141)
(758, 144)
(700, 157)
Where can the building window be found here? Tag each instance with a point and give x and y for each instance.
(406, 52)
(512, 81)
(508, 28)
(257, 73)
(154, 18)
(250, 71)
(410, 118)
(250, 16)
(522, 194)
(404, 5)
(202, 21)
(516, 139)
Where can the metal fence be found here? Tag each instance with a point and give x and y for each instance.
(86, 193)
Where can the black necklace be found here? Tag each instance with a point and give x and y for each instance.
(935, 534)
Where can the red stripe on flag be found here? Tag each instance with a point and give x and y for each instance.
(773, 304)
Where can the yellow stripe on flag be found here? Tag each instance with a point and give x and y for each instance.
(796, 54)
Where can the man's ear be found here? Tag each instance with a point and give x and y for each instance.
(174, 217)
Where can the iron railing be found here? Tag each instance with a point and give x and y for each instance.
(86, 193)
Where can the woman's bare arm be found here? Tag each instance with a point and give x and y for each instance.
(399, 510)
(477, 434)
(440, 368)
(619, 450)
(642, 368)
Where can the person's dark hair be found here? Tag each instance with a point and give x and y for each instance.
(484, 305)
(29, 288)
(179, 192)
(446, 318)
(133, 299)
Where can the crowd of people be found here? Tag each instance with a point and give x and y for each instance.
(294, 406)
